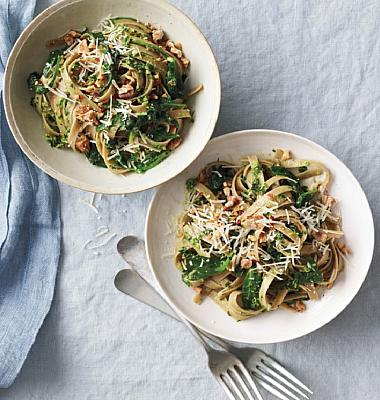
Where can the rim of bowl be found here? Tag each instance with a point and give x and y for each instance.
(371, 230)
(23, 38)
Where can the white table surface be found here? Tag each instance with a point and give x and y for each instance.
(309, 67)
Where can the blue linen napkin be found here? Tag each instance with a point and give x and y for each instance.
(29, 226)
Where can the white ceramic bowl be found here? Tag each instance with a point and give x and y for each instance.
(279, 325)
(30, 53)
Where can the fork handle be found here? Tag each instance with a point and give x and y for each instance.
(196, 334)
(130, 282)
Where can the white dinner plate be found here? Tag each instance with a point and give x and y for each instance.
(29, 54)
(279, 325)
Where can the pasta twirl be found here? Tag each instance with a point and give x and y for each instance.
(260, 235)
(116, 94)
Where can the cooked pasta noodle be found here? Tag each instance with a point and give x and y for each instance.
(261, 235)
(116, 94)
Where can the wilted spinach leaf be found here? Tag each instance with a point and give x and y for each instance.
(310, 274)
(94, 157)
(198, 267)
(251, 288)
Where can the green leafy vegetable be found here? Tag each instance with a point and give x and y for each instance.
(239, 271)
(52, 60)
(156, 113)
(190, 184)
(294, 228)
(111, 144)
(150, 45)
(251, 288)
(94, 157)
(302, 194)
(217, 176)
(97, 35)
(274, 253)
(55, 72)
(173, 79)
(159, 134)
(305, 197)
(258, 188)
(134, 63)
(310, 274)
(294, 182)
(199, 268)
(151, 160)
(57, 141)
(35, 85)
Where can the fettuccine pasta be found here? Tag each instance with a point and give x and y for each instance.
(261, 235)
(116, 94)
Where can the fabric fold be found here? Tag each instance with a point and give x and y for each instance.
(29, 226)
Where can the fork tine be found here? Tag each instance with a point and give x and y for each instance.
(249, 379)
(273, 382)
(242, 384)
(275, 365)
(265, 369)
(226, 388)
(233, 384)
(271, 389)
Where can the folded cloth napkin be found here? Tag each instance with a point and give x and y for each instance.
(29, 226)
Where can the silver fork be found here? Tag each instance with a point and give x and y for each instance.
(277, 380)
(270, 374)
(228, 370)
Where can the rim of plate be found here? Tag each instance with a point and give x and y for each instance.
(22, 39)
(337, 311)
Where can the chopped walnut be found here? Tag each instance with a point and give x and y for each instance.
(227, 191)
(82, 144)
(101, 80)
(299, 306)
(231, 202)
(202, 177)
(176, 52)
(126, 91)
(282, 155)
(101, 113)
(157, 35)
(174, 144)
(198, 296)
(70, 37)
(185, 62)
(320, 236)
(234, 199)
(83, 46)
(246, 263)
(344, 248)
(263, 237)
(174, 49)
(86, 114)
(228, 205)
(328, 200)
